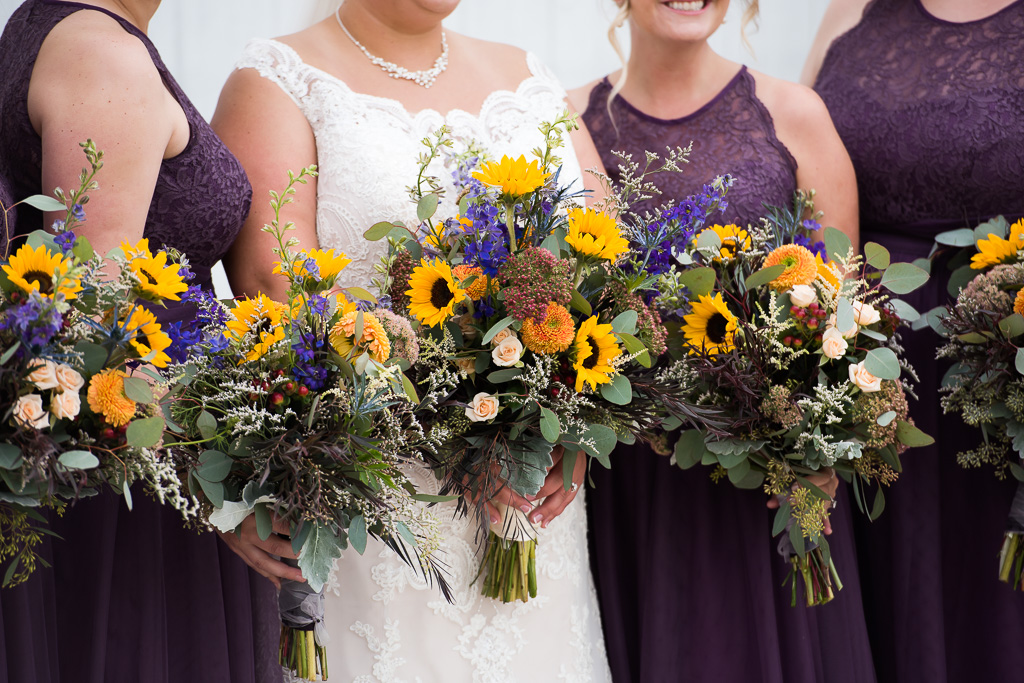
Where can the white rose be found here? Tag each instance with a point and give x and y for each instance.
(848, 334)
(832, 344)
(66, 405)
(28, 411)
(469, 332)
(803, 295)
(44, 374)
(864, 379)
(865, 314)
(467, 366)
(69, 379)
(508, 352)
(502, 336)
(483, 408)
(514, 525)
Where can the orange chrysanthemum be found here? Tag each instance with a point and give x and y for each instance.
(478, 287)
(374, 338)
(801, 268)
(107, 398)
(1018, 303)
(554, 335)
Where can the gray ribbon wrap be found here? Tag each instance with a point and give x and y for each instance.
(1015, 524)
(301, 607)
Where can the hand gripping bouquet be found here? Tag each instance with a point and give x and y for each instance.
(528, 336)
(801, 358)
(984, 330)
(296, 412)
(77, 400)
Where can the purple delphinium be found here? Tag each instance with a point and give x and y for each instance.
(816, 248)
(183, 340)
(66, 241)
(35, 323)
(78, 211)
(209, 312)
(305, 370)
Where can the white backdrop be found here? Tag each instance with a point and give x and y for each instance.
(200, 39)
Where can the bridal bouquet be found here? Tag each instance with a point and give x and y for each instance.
(800, 356)
(77, 400)
(297, 412)
(528, 336)
(985, 341)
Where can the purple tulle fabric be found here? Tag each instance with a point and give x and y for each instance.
(133, 596)
(689, 580)
(930, 112)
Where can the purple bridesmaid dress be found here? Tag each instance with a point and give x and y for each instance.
(133, 596)
(932, 113)
(688, 577)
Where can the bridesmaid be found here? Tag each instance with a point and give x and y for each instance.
(131, 596)
(687, 571)
(928, 95)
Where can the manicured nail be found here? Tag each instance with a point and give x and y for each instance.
(538, 518)
(530, 497)
(494, 518)
(525, 508)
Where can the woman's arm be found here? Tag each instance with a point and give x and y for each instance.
(803, 125)
(840, 17)
(270, 136)
(117, 98)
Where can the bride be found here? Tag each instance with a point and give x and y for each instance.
(356, 94)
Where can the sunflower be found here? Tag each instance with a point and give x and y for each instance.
(828, 274)
(996, 250)
(433, 292)
(595, 234)
(261, 317)
(328, 265)
(801, 268)
(478, 287)
(374, 339)
(710, 327)
(39, 270)
(734, 239)
(595, 348)
(1018, 303)
(514, 176)
(554, 335)
(156, 279)
(146, 336)
(106, 397)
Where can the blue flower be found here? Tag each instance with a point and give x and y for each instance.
(319, 304)
(66, 241)
(35, 323)
(183, 341)
(78, 211)
(817, 248)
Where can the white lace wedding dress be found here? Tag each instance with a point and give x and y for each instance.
(386, 624)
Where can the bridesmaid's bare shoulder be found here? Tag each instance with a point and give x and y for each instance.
(840, 17)
(580, 97)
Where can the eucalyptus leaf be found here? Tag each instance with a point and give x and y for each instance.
(882, 363)
(207, 425)
(9, 353)
(837, 244)
(410, 390)
(214, 491)
(959, 279)
(708, 239)
(625, 322)
(505, 375)
(496, 328)
(427, 206)
(145, 433)
(781, 518)
(734, 446)
(357, 534)
(316, 559)
(378, 231)
(549, 426)
(83, 249)
(903, 278)
(619, 391)
(753, 479)
(700, 281)
(44, 203)
(997, 226)
(430, 498)
(973, 338)
(689, 448)
(879, 504)
(1018, 361)
(731, 460)
(909, 435)
(360, 293)
(905, 311)
(138, 390)
(964, 237)
(264, 523)
(568, 468)
(877, 336)
(762, 277)
(885, 418)
(94, 357)
(876, 256)
(10, 456)
(78, 460)
(214, 466)
(845, 318)
(1012, 325)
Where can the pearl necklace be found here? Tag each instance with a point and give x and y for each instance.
(424, 78)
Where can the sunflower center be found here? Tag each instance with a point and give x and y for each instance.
(440, 294)
(44, 280)
(729, 248)
(716, 329)
(263, 326)
(590, 362)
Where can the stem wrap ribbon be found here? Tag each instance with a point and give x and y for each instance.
(300, 607)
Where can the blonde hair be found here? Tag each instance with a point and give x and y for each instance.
(750, 15)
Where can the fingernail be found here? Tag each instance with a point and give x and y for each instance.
(525, 508)
(538, 518)
(530, 497)
(495, 519)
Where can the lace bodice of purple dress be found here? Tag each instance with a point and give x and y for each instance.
(733, 133)
(903, 87)
(202, 195)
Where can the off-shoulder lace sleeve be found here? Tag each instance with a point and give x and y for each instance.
(279, 63)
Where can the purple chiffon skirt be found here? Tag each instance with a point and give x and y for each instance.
(936, 610)
(690, 583)
(133, 596)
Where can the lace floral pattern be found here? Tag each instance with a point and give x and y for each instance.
(903, 86)
(387, 624)
(733, 133)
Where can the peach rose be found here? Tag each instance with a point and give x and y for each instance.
(508, 352)
(66, 405)
(865, 314)
(848, 334)
(44, 375)
(469, 332)
(69, 379)
(864, 379)
(803, 295)
(467, 366)
(483, 408)
(28, 411)
(502, 336)
(832, 344)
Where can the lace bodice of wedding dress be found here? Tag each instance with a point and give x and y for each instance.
(387, 625)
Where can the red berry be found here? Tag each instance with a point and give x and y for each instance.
(277, 398)
(122, 429)
(264, 386)
(108, 433)
(555, 391)
(303, 390)
(795, 310)
(289, 387)
(279, 373)
(812, 324)
(798, 342)
(788, 341)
